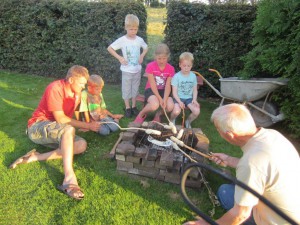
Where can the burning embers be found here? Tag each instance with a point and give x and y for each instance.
(161, 155)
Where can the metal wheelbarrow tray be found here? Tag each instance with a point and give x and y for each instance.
(249, 90)
(254, 93)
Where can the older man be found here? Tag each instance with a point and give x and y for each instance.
(270, 165)
(52, 125)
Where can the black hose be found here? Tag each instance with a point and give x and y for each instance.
(231, 179)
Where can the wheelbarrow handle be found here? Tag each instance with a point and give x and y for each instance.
(216, 71)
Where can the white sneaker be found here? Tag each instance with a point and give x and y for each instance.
(188, 124)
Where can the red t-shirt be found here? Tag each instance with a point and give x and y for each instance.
(55, 98)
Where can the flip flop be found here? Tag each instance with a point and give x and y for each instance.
(23, 159)
(71, 190)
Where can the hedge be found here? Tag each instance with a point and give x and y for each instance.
(46, 37)
(217, 35)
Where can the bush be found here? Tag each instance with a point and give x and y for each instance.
(217, 35)
(46, 37)
(276, 52)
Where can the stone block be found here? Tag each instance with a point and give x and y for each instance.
(151, 174)
(124, 166)
(157, 164)
(140, 152)
(167, 158)
(151, 154)
(120, 157)
(129, 136)
(147, 163)
(133, 159)
(125, 148)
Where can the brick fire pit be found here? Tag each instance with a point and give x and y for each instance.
(137, 153)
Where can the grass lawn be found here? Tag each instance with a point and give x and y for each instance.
(28, 194)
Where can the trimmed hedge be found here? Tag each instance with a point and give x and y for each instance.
(217, 35)
(46, 37)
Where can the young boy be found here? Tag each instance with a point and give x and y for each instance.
(92, 105)
(184, 89)
(131, 61)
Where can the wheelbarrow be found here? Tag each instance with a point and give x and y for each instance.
(254, 92)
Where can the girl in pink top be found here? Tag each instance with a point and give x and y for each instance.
(158, 87)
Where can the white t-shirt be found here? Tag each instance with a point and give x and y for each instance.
(271, 166)
(131, 51)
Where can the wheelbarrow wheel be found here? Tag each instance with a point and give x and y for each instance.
(261, 119)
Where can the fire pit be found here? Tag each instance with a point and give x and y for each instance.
(154, 156)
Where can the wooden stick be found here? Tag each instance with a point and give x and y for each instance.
(113, 150)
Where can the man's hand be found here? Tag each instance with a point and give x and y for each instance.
(94, 126)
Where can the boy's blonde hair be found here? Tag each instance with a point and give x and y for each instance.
(131, 21)
(95, 80)
(77, 72)
(162, 49)
(186, 56)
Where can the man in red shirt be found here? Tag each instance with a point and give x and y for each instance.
(52, 125)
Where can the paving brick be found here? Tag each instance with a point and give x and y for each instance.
(124, 166)
(125, 148)
(133, 159)
(158, 165)
(129, 136)
(140, 152)
(147, 163)
(166, 159)
(120, 157)
(152, 174)
(151, 154)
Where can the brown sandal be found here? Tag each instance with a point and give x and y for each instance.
(71, 190)
(23, 159)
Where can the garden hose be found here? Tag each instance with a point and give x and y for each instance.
(231, 179)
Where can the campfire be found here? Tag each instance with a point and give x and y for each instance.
(159, 151)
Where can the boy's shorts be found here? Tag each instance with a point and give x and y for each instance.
(130, 84)
(149, 92)
(185, 101)
(48, 133)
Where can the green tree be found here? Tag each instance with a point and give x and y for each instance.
(277, 52)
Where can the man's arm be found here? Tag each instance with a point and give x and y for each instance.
(60, 117)
(237, 215)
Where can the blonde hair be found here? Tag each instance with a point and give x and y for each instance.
(186, 56)
(162, 49)
(233, 118)
(131, 21)
(78, 71)
(95, 80)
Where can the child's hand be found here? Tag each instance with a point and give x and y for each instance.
(123, 61)
(141, 59)
(181, 104)
(195, 103)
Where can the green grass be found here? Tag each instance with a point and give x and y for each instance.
(155, 29)
(28, 194)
